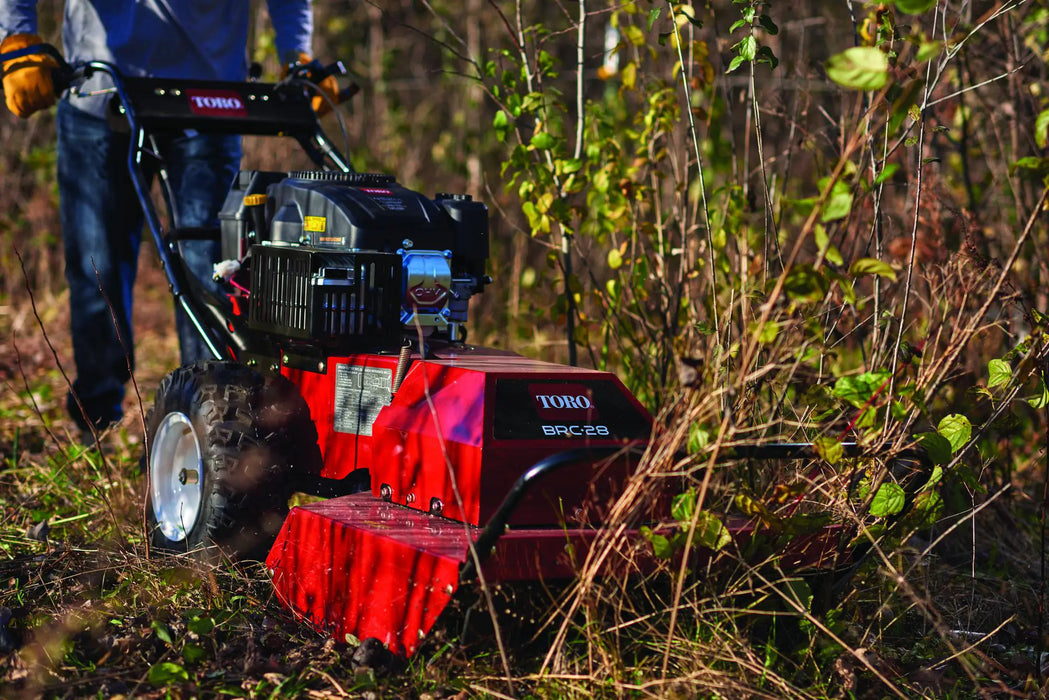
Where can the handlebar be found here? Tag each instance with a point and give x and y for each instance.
(65, 75)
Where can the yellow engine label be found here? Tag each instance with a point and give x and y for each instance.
(315, 224)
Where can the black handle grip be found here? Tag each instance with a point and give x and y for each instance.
(348, 92)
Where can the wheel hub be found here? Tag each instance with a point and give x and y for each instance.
(174, 473)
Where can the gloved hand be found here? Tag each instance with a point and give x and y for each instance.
(28, 85)
(329, 86)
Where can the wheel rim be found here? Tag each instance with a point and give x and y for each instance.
(176, 476)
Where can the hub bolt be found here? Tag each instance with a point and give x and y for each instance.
(436, 506)
(188, 476)
(386, 492)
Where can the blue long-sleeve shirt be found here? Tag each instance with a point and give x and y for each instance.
(203, 39)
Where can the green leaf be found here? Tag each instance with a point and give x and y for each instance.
(571, 165)
(805, 283)
(543, 141)
(162, 632)
(860, 389)
(834, 255)
(615, 259)
(859, 68)
(845, 285)
(1042, 399)
(633, 34)
(822, 239)
(698, 438)
(1041, 129)
(711, 532)
(768, 25)
(683, 506)
(936, 446)
(957, 429)
(767, 333)
(964, 474)
(532, 102)
(889, 500)
(819, 235)
(501, 124)
(1038, 165)
(838, 203)
(193, 653)
(201, 625)
(662, 547)
(735, 63)
(914, 7)
(748, 48)
(927, 507)
(887, 172)
(689, 13)
(928, 50)
(765, 55)
(829, 449)
(628, 75)
(999, 373)
(872, 266)
(653, 15)
(167, 673)
(934, 478)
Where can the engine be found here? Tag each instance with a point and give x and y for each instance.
(353, 260)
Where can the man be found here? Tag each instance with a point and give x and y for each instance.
(100, 215)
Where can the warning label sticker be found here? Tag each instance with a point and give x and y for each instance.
(360, 393)
(315, 224)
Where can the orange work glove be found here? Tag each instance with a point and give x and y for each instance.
(28, 86)
(329, 86)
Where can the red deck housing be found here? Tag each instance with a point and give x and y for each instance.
(443, 450)
(462, 427)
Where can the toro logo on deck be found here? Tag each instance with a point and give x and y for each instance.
(216, 103)
(563, 401)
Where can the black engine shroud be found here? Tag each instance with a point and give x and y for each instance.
(340, 260)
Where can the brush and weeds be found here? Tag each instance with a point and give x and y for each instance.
(826, 225)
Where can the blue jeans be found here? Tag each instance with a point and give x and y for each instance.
(102, 225)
